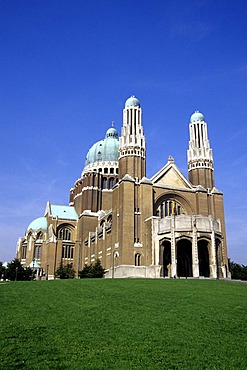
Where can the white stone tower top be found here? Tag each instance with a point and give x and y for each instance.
(199, 153)
(132, 134)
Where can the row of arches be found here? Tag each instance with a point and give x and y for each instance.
(184, 258)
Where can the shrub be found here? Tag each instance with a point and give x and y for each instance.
(65, 271)
(93, 271)
(238, 271)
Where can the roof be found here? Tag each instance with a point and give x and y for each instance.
(170, 175)
(197, 116)
(132, 102)
(38, 223)
(34, 264)
(104, 150)
(64, 212)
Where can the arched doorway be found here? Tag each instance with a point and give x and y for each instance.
(165, 259)
(184, 258)
(203, 257)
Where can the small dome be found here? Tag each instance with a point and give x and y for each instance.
(132, 102)
(38, 223)
(197, 116)
(104, 150)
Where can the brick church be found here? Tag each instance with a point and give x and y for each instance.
(163, 226)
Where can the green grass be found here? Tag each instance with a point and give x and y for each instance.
(123, 324)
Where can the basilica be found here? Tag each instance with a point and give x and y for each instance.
(165, 226)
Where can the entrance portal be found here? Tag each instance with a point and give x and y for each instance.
(203, 257)
(184, 258)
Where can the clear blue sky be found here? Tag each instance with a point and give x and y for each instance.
(67, 68)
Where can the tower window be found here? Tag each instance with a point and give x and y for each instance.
(111, 182)
(104, 183)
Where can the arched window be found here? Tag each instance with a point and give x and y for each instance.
(169, 207)
(40, 236)
(65, 234)
(137, 259)
(111, 182)
(104, 183)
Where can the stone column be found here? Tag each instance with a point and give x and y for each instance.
(173, 249)
(155, 241)
(213, 264)
(195, 262)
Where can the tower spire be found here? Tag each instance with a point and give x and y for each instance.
(200, 157)
(132, 145)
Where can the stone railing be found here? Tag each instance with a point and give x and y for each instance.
(187, 223)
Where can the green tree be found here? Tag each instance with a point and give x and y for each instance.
(93, 271)
(65, 271)
(2, 271)
(98, 270)
(15, 271)
(238, 271)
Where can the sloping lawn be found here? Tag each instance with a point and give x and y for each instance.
(123, 324)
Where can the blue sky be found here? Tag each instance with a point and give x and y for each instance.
(67, 68)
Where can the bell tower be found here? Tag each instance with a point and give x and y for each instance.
(200, 157)
(132, 145)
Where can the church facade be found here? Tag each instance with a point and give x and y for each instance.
(163, 226)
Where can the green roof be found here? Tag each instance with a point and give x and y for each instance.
(38, 223)
(64, 212)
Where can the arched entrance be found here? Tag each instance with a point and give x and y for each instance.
(165, 259)
(184, 258)
(203, 257)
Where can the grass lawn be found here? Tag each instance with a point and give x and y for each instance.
(123, 324)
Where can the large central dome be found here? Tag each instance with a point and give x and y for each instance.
(105, 150)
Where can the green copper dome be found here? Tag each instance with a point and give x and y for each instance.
(38, 223)
(197, 116)
(104, 150)
(132, 102)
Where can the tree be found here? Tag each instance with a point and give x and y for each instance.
(238, 271)
(15, 271)
(2, 271)
(98, 270)
(93, 271)
(65, 271)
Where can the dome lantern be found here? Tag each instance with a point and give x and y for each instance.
(197, 116)
(132, 102)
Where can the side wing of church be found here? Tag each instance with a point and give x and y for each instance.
(164, 226)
